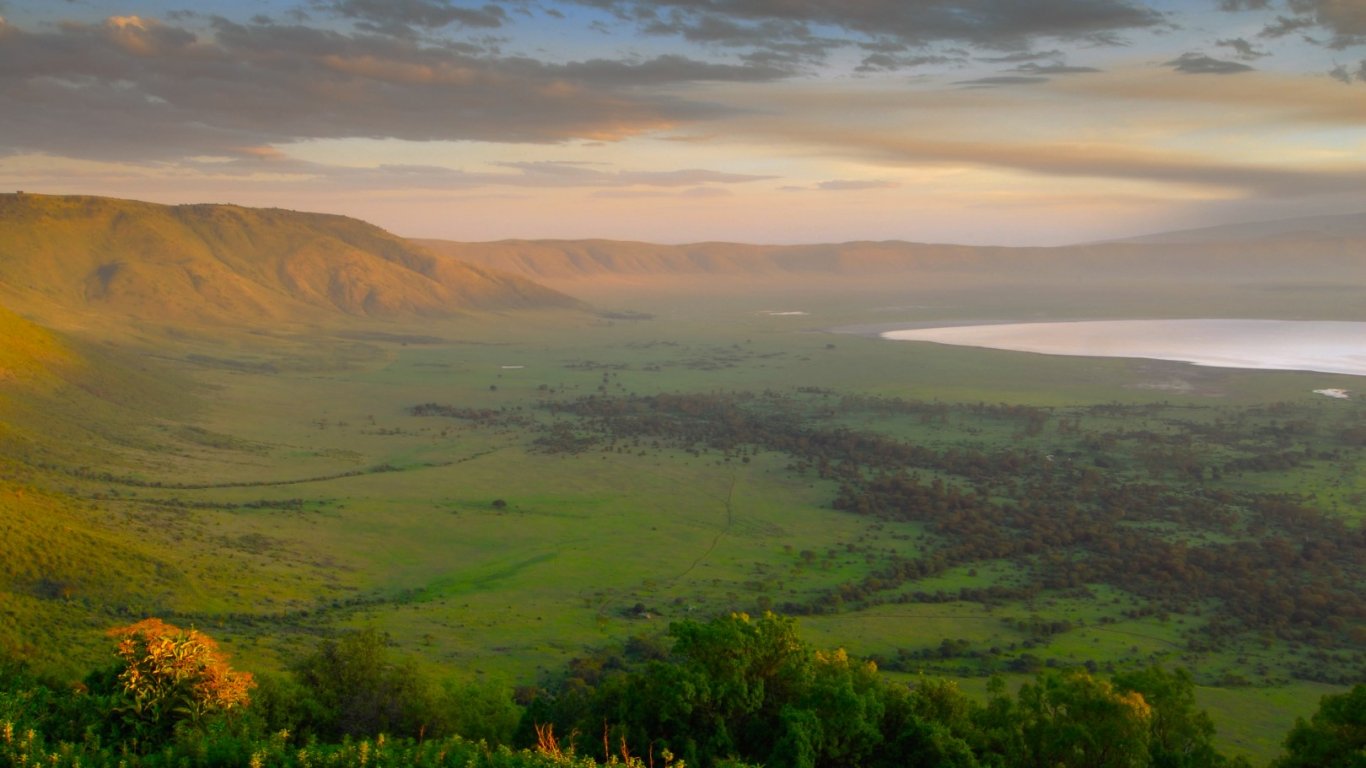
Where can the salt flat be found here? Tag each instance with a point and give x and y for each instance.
(1324, 346)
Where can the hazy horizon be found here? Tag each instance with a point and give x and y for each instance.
(973, 123)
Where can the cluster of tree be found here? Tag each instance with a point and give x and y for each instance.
(1271, 563)
(500, 417)
(732, 691)
(742, 689)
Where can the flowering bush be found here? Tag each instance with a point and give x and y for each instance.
(172, 675)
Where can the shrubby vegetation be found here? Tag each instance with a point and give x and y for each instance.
(732, 691)
(1129, 496)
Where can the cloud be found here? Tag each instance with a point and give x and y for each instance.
(1053, 69)
(140, 89)
(696, 193)
(1344, 20)
(558, 173)
(1003, 23)
(851, 185)
(1000, 80)
(1343, 74)
(799, 34)
(1285, 25)
(1200, 64)
(270, 163)
(666, 69)
(891, 62)
(400, 16)
(1242, 48)
(1023, 56)
(1063, 159)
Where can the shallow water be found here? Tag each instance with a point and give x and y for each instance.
(1324, 346)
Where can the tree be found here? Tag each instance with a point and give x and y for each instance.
(1073, 719)
(1334, 737)
(1180, 736)
(172, 676)
(359, 691)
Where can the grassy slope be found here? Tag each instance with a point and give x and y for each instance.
(79, 261)
(68, 571)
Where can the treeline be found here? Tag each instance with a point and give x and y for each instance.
(733, 691)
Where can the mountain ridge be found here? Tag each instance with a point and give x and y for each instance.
(565, 263)
(77, 260)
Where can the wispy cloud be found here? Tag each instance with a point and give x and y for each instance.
(1200, 64)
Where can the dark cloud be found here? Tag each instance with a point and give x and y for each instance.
(1200, 64)
(891, 62)
(1029, 73)
(771, 43)
(1344, 74)
(1023, 56)
(667, 69)
(136, 89)
(406, 14)
(1343, 20)
(1241, 48)
(1007, 23)
(804, 33)
(1285, 25)
(1346, 19)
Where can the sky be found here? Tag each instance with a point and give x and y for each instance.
(1006, 122)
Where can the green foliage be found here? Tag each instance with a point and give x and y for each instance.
(749, 689)
(356, 689)
(1179, 735)
(1075, 719)
(1334, 737)
(480, 711)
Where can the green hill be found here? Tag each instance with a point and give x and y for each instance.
(67, 565)
(78, 262)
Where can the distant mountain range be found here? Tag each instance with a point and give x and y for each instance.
(1350, 226)
(1319, 249)
(79, 261)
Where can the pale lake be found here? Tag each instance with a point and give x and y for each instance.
(1324, 346)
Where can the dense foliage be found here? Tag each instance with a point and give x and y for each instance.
(732, 691)
(748, 689)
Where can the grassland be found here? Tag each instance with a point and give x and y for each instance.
(277, 491)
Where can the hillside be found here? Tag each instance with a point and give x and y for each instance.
(29, 353)
(64, 404)
(77, 262)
